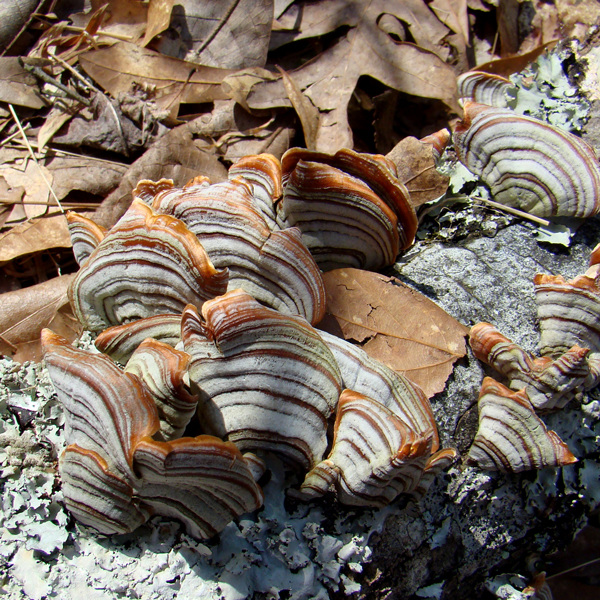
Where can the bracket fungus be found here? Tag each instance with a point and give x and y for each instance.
(375, 455)
(569, 346)
(216, 269)
(528, 164)
(550, 383)
(483, 88)
(85, 235)
(351, 208)
(121, 341)
(368, 376)
(263, 173)
(115, 476)
(266, 380)
(568, 312)
(163, 370)
(147, 264)
(511, 437)
(274, 266)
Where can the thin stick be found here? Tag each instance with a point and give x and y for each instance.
(116, 36)
(12, 136)
(41, 74)
(40, 203)
(515, 211)
(75, 155)
(32, 154)
(585, 564)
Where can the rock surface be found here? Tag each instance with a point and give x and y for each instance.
(473, 523)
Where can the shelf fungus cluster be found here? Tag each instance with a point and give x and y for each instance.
(208, 296)
(528, 164)
(568, 364)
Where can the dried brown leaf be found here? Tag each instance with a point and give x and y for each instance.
(396, 325)
(578, 17)
(14, 16)
(169, 81)
(453, 14)
(24, 313)
(105, 125)
(59, 41)
(17, 86)
(416, 169)
(307, 111)
(514, 64)
(330, 79)
(35, 236)
(159, 18)
(234, 133)
(233, 34)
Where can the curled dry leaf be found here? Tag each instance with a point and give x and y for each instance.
(514, 64)
(307, 111)
(24, 313)
(395, 324)
(159, 18)
(415, 162)
(170, 81)
(35, 236)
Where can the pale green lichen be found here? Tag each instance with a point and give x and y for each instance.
(543, 90)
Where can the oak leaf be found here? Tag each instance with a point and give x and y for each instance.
(24, 313)
(231, 35)
(395, 324)
(369, 48)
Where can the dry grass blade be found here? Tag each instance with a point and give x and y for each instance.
(33, 156)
